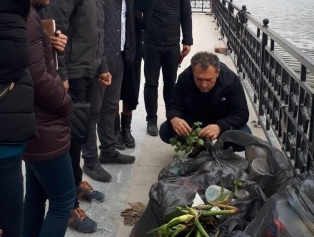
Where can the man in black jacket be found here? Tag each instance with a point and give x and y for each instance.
(84, 70)
(162, 50)
(119, 47)
(208, 92)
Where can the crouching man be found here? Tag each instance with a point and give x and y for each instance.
(209, 92)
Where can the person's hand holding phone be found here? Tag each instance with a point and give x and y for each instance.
(59, 41)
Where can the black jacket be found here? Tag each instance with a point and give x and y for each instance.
(82, 21)
(225, 105)
(164, 26)
(17, 119)
(112, 41)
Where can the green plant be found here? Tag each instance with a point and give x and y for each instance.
(185, 144)
(197, 221)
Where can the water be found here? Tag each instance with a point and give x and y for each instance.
(292, 19)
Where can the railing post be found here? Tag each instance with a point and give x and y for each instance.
(230, 12)
(242, 28)
(262, 68)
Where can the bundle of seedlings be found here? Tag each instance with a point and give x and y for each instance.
(199, 221)
(187, 143)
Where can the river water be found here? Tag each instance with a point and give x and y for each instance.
(292, 19)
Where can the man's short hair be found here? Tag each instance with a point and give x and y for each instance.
(205, 59)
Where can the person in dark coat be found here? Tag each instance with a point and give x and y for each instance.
(17, 119)
(143, 10)
(84, 71)
(49, 173)
(208, 92)
(119, 48)
(162, 50)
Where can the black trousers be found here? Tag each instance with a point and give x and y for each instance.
(156, 57)
(82, 89)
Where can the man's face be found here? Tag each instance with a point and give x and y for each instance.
(205, 80)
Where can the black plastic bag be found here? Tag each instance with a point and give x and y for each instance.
(290, 212)
(150, 219)
(219, 161)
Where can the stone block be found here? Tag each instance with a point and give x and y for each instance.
(220, 48)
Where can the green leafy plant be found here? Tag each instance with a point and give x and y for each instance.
(195, 221)
(185, 144)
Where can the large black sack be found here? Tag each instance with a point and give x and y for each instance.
(217, 159)
(166, 194)
(150, 219)
(290, 212)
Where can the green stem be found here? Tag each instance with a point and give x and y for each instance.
(189, 233)
(200, 228)
(198, 234)
(221, 212)
(203, 207)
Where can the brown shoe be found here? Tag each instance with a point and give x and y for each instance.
(86, 192)
(80, 222)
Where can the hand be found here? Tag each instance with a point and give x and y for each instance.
(105, 79)
(66, 85)
(211, 132)
(180, 126)
(59, 41)
(186, 49)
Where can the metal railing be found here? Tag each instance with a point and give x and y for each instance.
(281, 96)
(200, 5)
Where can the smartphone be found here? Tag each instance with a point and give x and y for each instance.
(50, 27)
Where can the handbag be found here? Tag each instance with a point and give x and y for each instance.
(81, 121)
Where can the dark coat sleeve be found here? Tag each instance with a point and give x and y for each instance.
(142, 17)
(176, 104)
(239, 112)
(60, 11)
(186, 22)
(103, 68)
(49, 91)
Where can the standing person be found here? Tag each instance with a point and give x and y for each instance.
(132, 78)
(162, 50)
(47, 161)
(84, 72)
(119, 48)
(17, 119)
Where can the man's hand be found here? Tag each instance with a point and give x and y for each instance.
(66, 85)
(186, 49)
(105, 79)
(59, 41)
(180, 126)
(211, 132)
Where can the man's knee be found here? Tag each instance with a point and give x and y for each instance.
(165, 132)
(246, 129)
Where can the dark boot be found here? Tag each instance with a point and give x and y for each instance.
(152, 128)
(126, 130)
(120, 144)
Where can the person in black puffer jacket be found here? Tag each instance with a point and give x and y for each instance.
(162, 49)
(17, 119)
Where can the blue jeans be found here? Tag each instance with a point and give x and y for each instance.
(11, 196)
(166, 132)
(52, 180)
